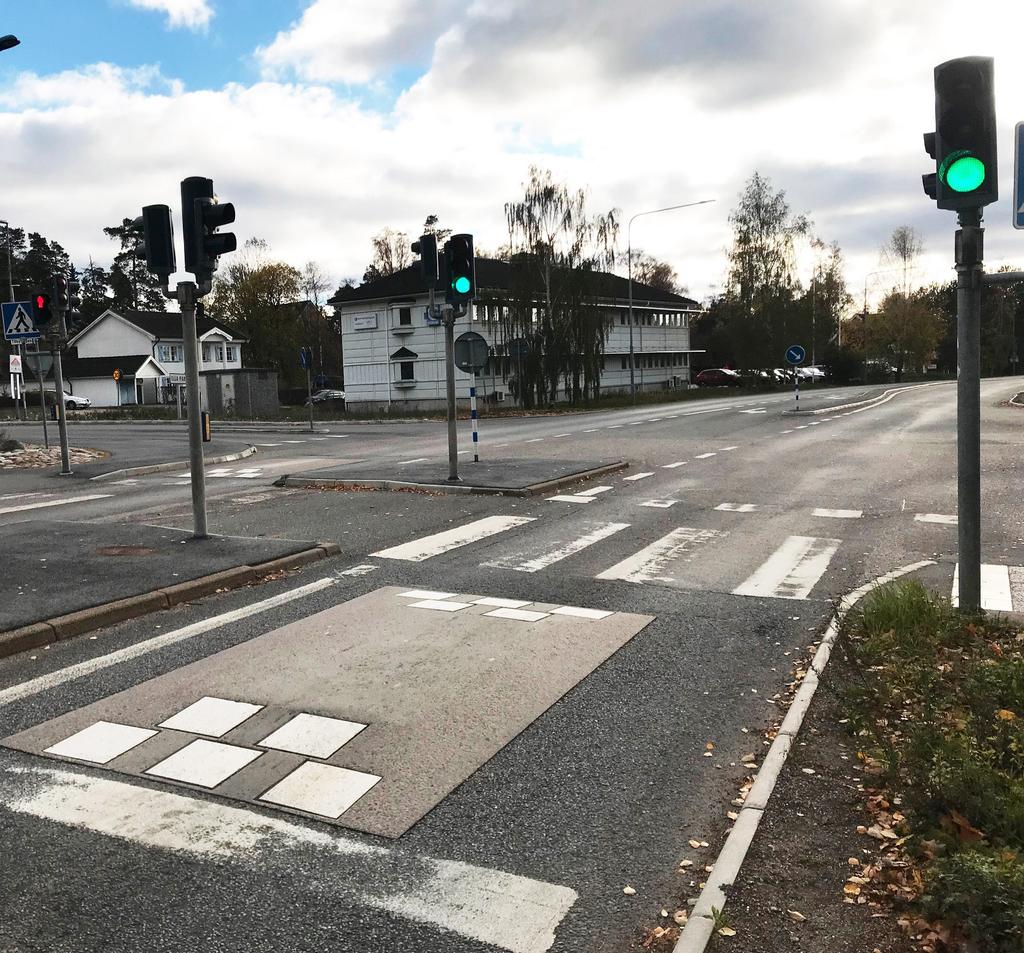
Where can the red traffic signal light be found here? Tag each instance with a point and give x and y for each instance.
(41, 306)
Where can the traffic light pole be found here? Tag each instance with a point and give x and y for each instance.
(58, 381)
(969, 258)
(449, 364)
(187, 294)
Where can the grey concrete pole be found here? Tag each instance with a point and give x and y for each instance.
(969, 257)
(187, 300)
(629, 267)
(449, 362)
(58, 380)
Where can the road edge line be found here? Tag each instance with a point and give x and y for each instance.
(886, 395)
(169, 467)
(727, 865)
(60, 628)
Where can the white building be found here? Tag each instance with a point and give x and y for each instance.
(394, 350)
(147, 348)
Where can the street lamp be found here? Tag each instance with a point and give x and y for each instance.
(9, 41)
(629, 267)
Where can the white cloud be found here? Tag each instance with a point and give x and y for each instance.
(192, 14)
(681, 104)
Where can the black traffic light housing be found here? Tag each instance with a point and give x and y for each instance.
(61, 299)
(42, 313)
(201, 216)
(460, 270)
(426, 248)
(156, 240)
(964, 142)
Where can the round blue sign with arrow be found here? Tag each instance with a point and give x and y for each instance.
(795, 354)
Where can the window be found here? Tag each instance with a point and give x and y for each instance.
(407, 370)
(219, 349)
(623, 364)
(622, 317)
(168, 352)
(405, 317)
(206, 353)
(230, 351)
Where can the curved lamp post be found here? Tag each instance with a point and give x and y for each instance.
(629, 266)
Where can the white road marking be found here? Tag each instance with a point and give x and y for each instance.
(570, 498)
(672, 417)
(1017, 587)
(594, 490)
(503, 910)
(736, 507)
(53, 679)
(521, 615)
(425, 594)
(614, 427)
(659, 504)
(637, 476)
(649, 564)
(672, 466)
(935, 518)
(787, 431)
(792, 571)
(815, 423)
(704, 456)
(561, 551)
(22, 496)
(437, 543)
(758, 410)
(363, 569)
(563, 435)
(995, 588)
(727, 449)
(535, 440)
(403, 463)
(591, 431)
(636, 423)
(269, 445)
(440, 605)
(293, 441)
(801, 427)
(131, 482)
(838, 514)
(44, 503)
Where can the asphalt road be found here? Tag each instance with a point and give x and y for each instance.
(724, 559)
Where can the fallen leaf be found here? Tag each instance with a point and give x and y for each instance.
(664, 913)
(680, 916)
(694, 843)
(710, 746)
(808, 770)
(628, 891)
(796, 915)
(686, 863)
(732, 815)
(851, 890)
(1004, 714)
(726, 931)
(967, 832)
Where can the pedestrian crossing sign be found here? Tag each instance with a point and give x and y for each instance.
(18, 322)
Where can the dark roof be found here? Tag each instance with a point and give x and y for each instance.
(167, 324)
(492, 274)
(74, 366)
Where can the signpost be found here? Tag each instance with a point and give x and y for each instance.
(471, 353)
(1018, 175)
(306, 361)
(40, 365)
(795, 355)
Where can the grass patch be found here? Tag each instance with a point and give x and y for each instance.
(938, 702)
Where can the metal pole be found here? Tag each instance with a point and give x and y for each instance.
(969, 257)
(449, 361)
(473, 417)
(42, 399)
(796, 387)
(309, 393)
(629, 267)
(187, 300)
(62, 423)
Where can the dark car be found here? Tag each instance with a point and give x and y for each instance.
(718, 377)
(323, 396)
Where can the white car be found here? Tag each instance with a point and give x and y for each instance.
(76, 402)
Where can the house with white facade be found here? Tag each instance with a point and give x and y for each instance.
(146, 348)
(394, 350)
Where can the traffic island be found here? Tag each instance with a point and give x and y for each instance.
(69, 577)
(505, 477)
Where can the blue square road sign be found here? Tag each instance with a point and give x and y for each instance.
(19, 325)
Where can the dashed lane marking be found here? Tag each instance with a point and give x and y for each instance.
(727, 449)
(659, 504)
(792, 571)
(940, 518)
(838, 514)
(41, 504)
(637, 476)
(736, 507)
(704, 456)
(437, 543)
(403, 463)
(534, 440)
(570, 498)
(594, 491)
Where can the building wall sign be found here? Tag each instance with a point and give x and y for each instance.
(364, 322)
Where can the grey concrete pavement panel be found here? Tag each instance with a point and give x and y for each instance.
(62, 567)
(440, 694)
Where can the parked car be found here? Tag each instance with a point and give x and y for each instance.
(322, 396)
(810, 374)
(718, 377)
(75, 401)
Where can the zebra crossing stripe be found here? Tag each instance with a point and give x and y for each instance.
(562, 550)
(792, 571)
(434, 545)
(649, 564)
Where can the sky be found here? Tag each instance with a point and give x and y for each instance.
(324, 121)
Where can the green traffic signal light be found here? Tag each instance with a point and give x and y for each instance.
(965, 173)
(462, 284)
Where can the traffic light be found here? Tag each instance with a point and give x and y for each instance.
(460, 269)
(426, 248)
(42, 314)
(201, 216)
(964, 142)
(156, 241)
(61, 293)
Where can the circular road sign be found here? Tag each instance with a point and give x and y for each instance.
(117, 374)
(795, 354)
(471, 352)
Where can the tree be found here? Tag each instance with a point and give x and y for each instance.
(906, 332)
(391, 253)
(95, 282)
(556, 249)
(133, 286)
(761, 282)
(322, 330)
(430, 227)
(826, 300)
(249, 296)
(655, 273)
(900, 254)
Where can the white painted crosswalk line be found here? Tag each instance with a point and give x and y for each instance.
(704, 456)
(560, 550)
(996, 594)
(939, 518)
(673, 466)
(637, 476)
(736, 507)
(594, 490)
(792, 571)
(437, 543)
(571, 498)
(659, 504)
(45, 503)
(649, 564)
(838, 514)
(1017, 587)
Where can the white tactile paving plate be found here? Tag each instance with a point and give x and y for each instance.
(211, 716)
(440, 605)
(320, 789)
(578, 612)
(100, 742)
(204, 763)
(521, 615)
(425, 594)
(313, 735)
(501, 603)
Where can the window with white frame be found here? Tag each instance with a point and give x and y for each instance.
(170, 353)
(229, 350)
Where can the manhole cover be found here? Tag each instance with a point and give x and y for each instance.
(125, 551)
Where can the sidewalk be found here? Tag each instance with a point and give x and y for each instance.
(63, 578)
(505, 476)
